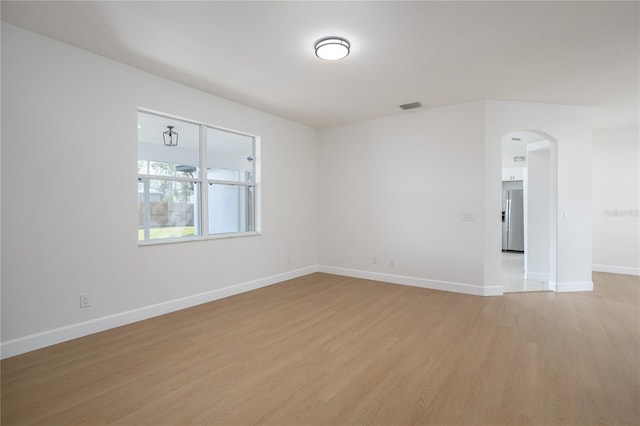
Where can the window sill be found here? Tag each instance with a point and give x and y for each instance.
(199, 238)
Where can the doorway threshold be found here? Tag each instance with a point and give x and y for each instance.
(513, 280)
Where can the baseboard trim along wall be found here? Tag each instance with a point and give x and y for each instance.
(612, 269)
(455, 287)
(58, 335)
(566, 287)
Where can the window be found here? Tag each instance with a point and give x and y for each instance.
(172, 203)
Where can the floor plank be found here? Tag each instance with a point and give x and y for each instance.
(325, 349)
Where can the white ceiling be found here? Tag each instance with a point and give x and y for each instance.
(438, 53)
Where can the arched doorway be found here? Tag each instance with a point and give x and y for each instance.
(529, 206)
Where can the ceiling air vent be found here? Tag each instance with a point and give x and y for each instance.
(412, 105)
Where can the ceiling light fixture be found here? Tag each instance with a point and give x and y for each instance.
(332, 48)
(170, 137)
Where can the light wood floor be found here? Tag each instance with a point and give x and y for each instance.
(332, 350)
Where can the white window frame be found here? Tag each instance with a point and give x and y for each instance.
(201, 221)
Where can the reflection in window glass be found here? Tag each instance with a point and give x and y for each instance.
(229, 152)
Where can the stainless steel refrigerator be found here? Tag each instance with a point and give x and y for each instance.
(512, 220)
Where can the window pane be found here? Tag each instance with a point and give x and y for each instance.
(155, 158)
(171, 211)
(163, 168)
(229, 156)
(143, 167)
(172, 176)
(231, 209)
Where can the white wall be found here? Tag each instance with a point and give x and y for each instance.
(571, 128)
(420, 192)
(69, 193)
(512, 149)
(538, 205)
(395, 189)
(616, 200)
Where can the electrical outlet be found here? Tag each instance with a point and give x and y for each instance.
(85, 301)
(288, 261)
(392, 263)
(374, 261)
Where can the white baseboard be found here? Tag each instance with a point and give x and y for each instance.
(612, 269)
(536, 276)
(476, 290)
(58, 335)
(565, 287)
(62, 334)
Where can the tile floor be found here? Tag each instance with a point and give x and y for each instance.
(513, 275)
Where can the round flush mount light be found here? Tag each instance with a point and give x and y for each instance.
(332, 48)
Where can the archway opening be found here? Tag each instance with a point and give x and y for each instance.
(529, 222)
